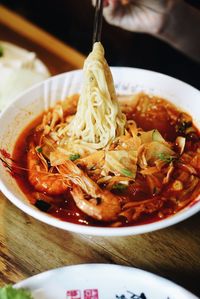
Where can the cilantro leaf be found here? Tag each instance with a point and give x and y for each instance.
(119, 186)
(39, 149)
(8, 292)
(74, 157)
(166, 158)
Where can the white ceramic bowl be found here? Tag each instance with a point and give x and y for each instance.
(127, 81)
(102, 281)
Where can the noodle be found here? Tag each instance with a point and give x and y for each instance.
(98, 120)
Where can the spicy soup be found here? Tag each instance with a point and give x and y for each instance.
(164, 183)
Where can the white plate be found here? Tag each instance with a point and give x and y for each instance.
(102, 281)
(19, 70)
(44, 95)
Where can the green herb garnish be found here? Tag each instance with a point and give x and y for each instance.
(1, 51)
(39, 149)
(126, 172)
(8, 292)
(119, 187)
(74, 157)
(166, 158)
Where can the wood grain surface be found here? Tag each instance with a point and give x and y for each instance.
(58, 56)
(28, 247)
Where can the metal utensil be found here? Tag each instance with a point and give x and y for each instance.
(98, 21)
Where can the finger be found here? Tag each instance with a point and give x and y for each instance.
(109, 12)
(125, 2)
(123, 15)
(122, 2)
(105, 2)
(112, 13)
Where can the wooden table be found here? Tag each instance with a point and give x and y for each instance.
(28, 247)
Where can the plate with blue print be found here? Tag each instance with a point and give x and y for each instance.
(102, 281)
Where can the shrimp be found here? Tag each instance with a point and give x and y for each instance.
(88, 196)
(40, 178)
(104, 206)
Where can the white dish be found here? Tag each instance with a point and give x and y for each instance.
(128, 81)
(19, 70)
(102, 281)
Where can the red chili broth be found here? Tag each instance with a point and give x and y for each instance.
(65, 208)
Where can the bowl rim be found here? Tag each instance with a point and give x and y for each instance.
(96, 230)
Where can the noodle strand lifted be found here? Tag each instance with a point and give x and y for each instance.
(98, 120)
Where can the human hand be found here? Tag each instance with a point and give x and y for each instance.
(173, 21)
(138, 15)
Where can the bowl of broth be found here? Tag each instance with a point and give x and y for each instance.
(139, 176)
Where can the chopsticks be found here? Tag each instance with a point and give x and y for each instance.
(98, 21)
